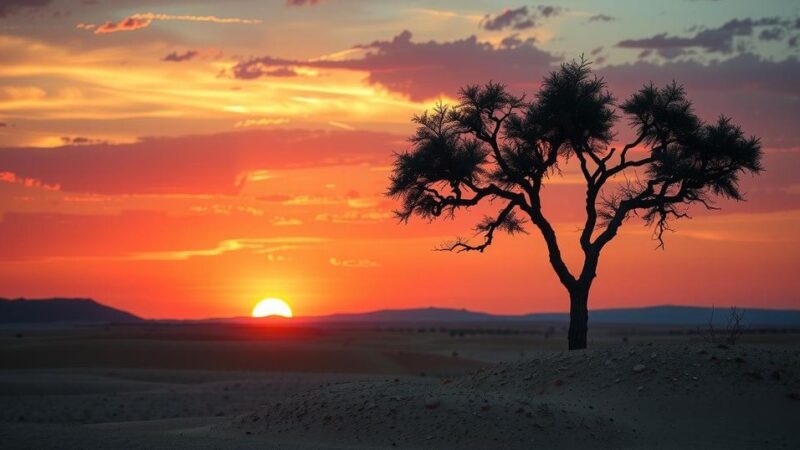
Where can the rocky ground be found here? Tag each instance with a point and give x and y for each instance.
(637, 396)
(643, 395)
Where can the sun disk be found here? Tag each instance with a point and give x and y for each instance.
(272, 307)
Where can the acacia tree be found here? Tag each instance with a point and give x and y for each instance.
(498, 148)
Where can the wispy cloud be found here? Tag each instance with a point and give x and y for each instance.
(355, 217)
(188, 55)
(258, 246)
(260, 122)
(354, 263)
(12, 178)
(144, 20)
(302, 2)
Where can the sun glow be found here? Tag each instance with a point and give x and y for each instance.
(272, 307)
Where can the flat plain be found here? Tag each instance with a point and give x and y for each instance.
(276, 385)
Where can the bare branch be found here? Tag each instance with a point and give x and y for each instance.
(505, 221)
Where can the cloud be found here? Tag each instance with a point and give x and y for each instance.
(354, 263)
(12, 7)
(302, 2)
(12, 178)
(80, 140)
(227, 210)
(286, 222)
(280, 72)
(127, 24)
(203, 164)
(355, 217)
(740, 74)
(720, 40)
(260, 122)
(143, 235)
(772, 34)
(144, 20)
(188, 55)
(601, 18)
(253, 245)
(760, 94)
(425, 70)
(520, 18)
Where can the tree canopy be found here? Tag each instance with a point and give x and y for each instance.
(496, 147)
(493, 145)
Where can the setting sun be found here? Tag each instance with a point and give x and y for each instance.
(272, 307)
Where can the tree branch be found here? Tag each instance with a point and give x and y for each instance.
(505, 219)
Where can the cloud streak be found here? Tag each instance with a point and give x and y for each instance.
(722, 39)
(259, 246)
(205, 164)
(354, 263)
(188, 55)
(12, 178)
(144, 20)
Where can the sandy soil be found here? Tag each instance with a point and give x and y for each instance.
(668, 393)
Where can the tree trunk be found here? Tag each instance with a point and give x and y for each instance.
(578, 316)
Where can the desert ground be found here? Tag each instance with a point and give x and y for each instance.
(208, 386)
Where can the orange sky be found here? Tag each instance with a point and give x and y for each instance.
(183, 160)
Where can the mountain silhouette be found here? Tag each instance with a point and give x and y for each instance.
(650, 315)
(61, 310)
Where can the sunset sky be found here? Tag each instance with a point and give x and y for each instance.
(184, 159)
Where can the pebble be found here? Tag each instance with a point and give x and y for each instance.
(432, 403)
(639, 368)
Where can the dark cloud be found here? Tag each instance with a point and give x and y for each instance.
(741, 73)
(549, 11)
(721, 39)
(515, 41)
(80, 140)
(793, 41)
(601, 18)
(670, 53)
(510, 18)
(425, 70)
(11, 7)
(280, 72)
(520, 18)
(772, 34)
(760, 94)
(188, 55)
(302, 2)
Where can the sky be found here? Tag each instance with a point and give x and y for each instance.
(185, 159)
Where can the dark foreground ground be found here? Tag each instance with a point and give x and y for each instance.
(228, 386)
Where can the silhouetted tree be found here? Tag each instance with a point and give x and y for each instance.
(499, 148)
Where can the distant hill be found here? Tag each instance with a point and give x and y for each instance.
(413, 315)
(681, 315)
(651, 315)
(81, 310)
(60, 310)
